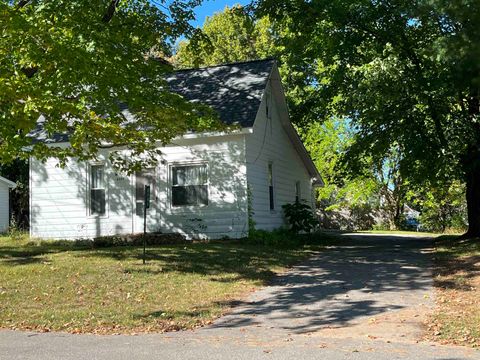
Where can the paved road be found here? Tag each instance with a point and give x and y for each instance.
(366, 298)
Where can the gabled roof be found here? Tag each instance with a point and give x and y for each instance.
(9, 183)
(234, 90)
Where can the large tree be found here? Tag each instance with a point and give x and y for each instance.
(404, 72)
(227, 36)
(234, 34)
(76, 64)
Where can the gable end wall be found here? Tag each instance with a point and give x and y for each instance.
(269, 142)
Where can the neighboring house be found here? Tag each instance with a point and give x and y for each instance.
(5, 186)
(206, 185)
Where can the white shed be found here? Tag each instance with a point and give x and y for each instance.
(5, 186)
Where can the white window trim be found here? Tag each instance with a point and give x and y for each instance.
(88, 199)
(186, 208)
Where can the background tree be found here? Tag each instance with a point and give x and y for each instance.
(75, 64)
(228, 36)
(354, 203)
(345, 203)
(17, 171)
(443, 207)
(404, 73)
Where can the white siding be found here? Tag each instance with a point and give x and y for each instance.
(59, 197)
(4, 207)
(269, 142)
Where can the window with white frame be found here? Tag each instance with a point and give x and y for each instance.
(270, 186)
(189, 185)
(298, 192)
(97, 189)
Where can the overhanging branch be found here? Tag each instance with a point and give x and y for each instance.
(110, 11)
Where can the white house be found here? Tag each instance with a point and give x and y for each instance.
(207, 185)
(5, 186)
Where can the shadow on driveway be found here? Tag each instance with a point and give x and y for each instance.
(362, 277)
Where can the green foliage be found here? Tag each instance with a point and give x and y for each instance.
(18, 172)
(237, 35)
(136, 240)
(443, 206)
(228, 36)
(405, 73)
(76, 62)
(326, 142)
(278, 238)
(300, 217)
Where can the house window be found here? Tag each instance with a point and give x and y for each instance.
(189, 185)
(142, 178)
(270, 186)
(298, 193)
(97, 190)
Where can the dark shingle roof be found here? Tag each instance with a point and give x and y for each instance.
(233, 90)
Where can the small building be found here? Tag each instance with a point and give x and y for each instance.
(5, 186)
(206, 185)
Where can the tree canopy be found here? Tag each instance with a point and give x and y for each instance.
(77, 64)
(405, 73)
(227, 36)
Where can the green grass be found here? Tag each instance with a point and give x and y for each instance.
(64, 287)
(457, 317)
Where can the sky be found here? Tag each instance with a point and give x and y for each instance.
(209, 7)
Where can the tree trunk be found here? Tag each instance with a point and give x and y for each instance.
(473, 202)
(471, 164)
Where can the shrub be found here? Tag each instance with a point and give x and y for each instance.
(137, 239)
(276, 238)
(300, 217)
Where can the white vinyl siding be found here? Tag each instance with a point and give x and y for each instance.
(59, 196)
(4, 207)
(270, 144)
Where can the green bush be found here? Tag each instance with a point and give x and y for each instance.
(300, 217)
(137, 239)
(276, 238)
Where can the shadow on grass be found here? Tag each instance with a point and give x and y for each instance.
(32, 252)
(457, 261)
(226, 262)
(388, 265)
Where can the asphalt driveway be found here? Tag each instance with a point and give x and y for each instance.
(365, 298)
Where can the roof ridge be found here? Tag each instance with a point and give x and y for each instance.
(226, 64)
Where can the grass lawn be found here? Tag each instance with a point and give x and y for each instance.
(55, 287)
(457, 316)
